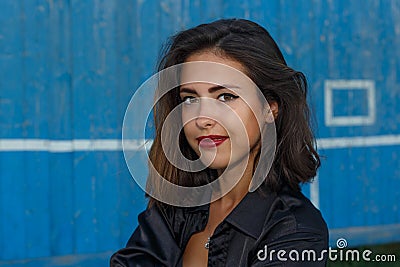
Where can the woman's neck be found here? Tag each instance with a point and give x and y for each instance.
(237, 193)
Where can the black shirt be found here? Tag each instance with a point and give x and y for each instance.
(264, 229)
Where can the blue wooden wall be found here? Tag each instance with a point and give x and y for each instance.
(68, 70)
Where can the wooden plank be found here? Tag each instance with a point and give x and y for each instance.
(61, 200)
(88, 66)
(12, 179)
(138, 44)
(35, 74)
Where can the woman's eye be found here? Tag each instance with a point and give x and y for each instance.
(188, 100)
(227, 97)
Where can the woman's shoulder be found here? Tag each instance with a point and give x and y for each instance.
(292, 212)
(293, 228)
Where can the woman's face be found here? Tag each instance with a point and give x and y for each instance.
(217, 120)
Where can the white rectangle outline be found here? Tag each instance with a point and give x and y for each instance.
(331, 120)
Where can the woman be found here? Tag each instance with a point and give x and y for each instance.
(274, 225)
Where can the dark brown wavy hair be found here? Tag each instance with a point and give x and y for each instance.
(296, 159)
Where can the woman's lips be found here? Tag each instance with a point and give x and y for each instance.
(211, 141)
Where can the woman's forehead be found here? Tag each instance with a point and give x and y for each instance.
(208, 67)
(210, 56)
(213, 73)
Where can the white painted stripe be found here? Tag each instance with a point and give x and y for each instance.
(364, 141)
(59, 146)
(314, 192)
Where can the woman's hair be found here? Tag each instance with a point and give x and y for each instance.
(296, 160)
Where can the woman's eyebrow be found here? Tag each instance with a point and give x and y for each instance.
(224, 86)
(210, 90)
(187, 90)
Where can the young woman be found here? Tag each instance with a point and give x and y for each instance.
(224, 124)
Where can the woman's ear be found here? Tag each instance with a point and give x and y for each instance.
(272, 111)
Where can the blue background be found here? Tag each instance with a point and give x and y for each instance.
(69, 68)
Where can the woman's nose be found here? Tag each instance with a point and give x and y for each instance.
(204, 122)
(205, 113)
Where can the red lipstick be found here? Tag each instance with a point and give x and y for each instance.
(209, 141)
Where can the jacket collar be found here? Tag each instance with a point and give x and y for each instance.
(249, 215)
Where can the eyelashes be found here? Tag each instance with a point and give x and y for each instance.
(188, 100)
(225, 97)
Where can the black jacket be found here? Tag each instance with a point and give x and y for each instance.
(253, 234)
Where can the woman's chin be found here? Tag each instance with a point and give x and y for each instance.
(215, 165)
